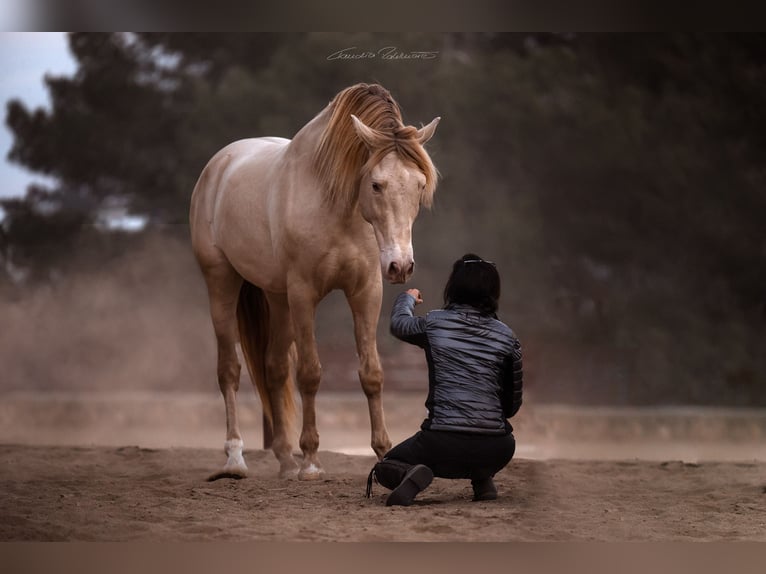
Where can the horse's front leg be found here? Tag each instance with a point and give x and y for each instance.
(365, 307)
(303, 302)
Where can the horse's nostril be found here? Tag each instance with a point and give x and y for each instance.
(393, 269)
(411, 268)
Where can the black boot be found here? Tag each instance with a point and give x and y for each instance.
(388, 472)
(404, 480)
(484, 489)
(416, 480)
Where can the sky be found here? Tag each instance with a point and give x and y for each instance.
(25, 58)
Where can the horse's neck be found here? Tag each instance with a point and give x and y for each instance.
(301, 152)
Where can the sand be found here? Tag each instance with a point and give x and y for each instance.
(99, 482)
(139, 494)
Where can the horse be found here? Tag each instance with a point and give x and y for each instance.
(276, 225)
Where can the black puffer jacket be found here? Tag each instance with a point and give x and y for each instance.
(474, 366)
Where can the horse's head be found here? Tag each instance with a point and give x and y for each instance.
(393, 186)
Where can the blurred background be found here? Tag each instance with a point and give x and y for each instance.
(617, 180)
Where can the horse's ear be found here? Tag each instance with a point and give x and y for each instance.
(372, 138)
(427, 132)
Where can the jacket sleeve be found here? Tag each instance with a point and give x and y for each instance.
(404, 324)
(512, 381)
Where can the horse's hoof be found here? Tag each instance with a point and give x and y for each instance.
(311, 472)
(381, 451)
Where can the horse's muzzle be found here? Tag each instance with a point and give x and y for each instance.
(398, 272)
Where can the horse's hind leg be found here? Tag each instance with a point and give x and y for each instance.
(279, 383)
(223, 284)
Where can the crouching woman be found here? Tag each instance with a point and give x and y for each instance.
(474, 386)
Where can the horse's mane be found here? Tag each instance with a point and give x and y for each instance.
(342, 158)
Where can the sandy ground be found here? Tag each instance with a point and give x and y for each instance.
(130, 493)
(87, 484)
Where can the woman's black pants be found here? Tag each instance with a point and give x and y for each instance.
(449, 455)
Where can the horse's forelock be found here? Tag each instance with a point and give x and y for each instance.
(341, 157)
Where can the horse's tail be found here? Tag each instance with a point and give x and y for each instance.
(253, 323)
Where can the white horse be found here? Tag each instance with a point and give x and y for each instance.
(277, 224)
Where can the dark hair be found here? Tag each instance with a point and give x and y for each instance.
(473, 282)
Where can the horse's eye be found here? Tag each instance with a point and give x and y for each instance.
(376, 187)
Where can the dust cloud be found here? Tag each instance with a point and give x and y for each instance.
(139, 326)
(139, 322)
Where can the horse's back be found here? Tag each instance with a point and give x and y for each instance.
(256, 153)
(233, 156)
